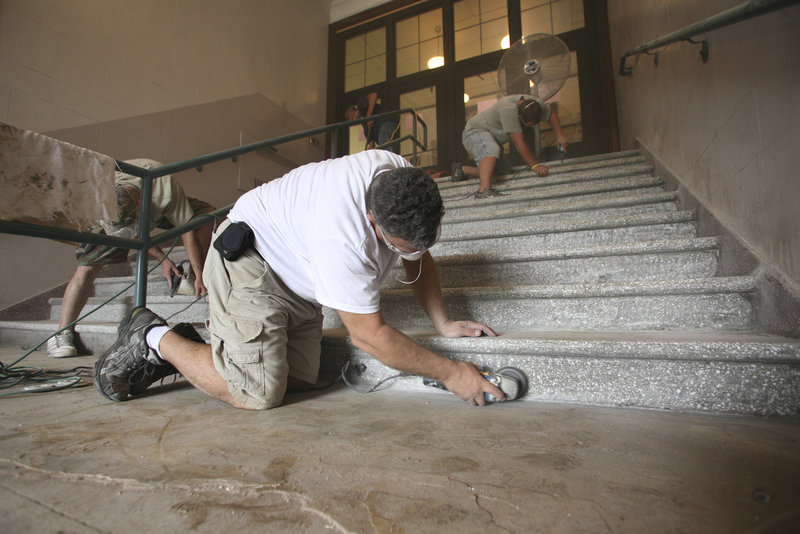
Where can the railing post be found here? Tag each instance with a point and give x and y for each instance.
(335, 143)
(144, 236)
(414, 141)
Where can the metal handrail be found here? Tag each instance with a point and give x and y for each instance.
(145, 241)
(745, 11)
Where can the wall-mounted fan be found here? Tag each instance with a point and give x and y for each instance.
(537, 65)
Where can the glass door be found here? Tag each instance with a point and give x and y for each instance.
(423, 102)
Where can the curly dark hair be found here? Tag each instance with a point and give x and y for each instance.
(406, 204)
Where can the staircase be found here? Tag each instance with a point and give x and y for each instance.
(597, 281)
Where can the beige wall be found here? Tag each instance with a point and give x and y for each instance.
(167, 80)
(729, 128)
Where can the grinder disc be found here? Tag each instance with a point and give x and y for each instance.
(519, 376)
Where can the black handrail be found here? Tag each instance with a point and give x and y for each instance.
(745, 11)
(145, 241)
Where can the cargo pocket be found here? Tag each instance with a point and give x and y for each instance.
(247, 273)
(241, 352)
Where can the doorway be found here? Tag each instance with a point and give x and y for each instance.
(440, 58)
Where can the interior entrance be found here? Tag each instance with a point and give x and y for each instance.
(440, 58)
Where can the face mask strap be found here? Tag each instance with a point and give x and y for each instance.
(406, 282)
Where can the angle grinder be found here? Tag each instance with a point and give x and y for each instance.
(510, 380)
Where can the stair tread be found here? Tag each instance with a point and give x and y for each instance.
(543, 338)
(605, 161)
(526, 178)
(576, 224)
(520, 192)
(720, 284)
(713, 345)
(593, 277)
(554, 206)
(578, 251)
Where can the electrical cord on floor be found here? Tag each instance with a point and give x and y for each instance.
(371, 388)
(45, 381)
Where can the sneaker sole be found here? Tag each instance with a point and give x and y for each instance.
(98, 365)
(68, 354)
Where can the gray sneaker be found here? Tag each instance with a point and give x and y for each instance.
(130, 366)
(163, 369)
(457, 173)
(489, 193)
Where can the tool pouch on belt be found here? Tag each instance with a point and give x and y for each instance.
(234, 241)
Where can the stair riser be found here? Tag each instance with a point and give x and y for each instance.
(574, 270)
(555, 207)
(502, 225)
(155, 287)
(500, 244)
(567, 171)
(725, 312)
(119, 309)
(523, 197)
(645, 327)
(722, 387)
(528, 181)
(487, 208)
(489, 273)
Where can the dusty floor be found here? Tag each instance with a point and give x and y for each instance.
(387, 462)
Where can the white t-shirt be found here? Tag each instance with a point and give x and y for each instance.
(311, 227)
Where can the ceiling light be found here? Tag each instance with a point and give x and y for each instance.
(435, 62)
(505, 42)
(466, 98)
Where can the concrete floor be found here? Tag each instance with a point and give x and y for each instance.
(386, 462)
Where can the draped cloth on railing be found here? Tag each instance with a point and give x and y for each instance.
(47, 181)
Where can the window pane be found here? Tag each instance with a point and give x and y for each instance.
(567, 103)
(467, 13)
(492, 34)
(554, 16)
(430, 25)
(430, 54)
(567, 15)
(407, 32)
(365, 59)
(481, 92)
(407, 60)
(536, 20)
(375, 70)
(424, 102)
(354, 50)
(492, 10)
(419, 40)
(354, 76)
(468, 43)
(480, 27)
(375, 42)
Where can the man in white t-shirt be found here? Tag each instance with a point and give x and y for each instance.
(325, 234)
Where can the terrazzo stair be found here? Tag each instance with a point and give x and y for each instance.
(601, 291)
(594, 277)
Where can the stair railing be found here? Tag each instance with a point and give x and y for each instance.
(145, 241)
(748, 10)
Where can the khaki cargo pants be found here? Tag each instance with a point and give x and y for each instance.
(261, 332)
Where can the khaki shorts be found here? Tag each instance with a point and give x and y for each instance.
(261, 332)
(89, 254)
